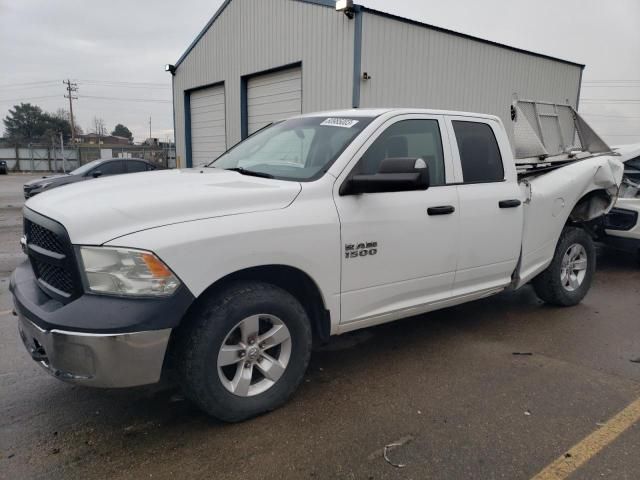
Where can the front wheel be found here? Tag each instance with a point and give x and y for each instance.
(244, 351)
(568, 278)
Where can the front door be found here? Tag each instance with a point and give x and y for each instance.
(399, 249)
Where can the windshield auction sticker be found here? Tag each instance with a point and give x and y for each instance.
(339, 122)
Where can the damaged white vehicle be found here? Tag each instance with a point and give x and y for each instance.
(621, 227)
(312, 227)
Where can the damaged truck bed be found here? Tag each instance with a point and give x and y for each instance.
(561, 161)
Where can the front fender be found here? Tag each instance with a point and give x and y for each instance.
(305, 236)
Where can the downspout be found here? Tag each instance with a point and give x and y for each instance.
(173, 105)
(187, 129)
(357, 55)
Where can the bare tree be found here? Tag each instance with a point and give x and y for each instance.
(63, 114)
(99, 127)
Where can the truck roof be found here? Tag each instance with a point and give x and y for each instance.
(376, 112)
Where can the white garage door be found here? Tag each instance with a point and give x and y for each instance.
(208, 132)
(273, 96)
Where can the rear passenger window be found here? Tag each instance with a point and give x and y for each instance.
(479, 152)
(110, 168)
(133, 167)
(407, 139)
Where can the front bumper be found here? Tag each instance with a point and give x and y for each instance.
(96, 340)
(97, 360)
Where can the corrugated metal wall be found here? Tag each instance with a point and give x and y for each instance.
(414, 66)
(251, 36)
(410, 65)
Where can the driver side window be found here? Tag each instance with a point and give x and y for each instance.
(407, 139)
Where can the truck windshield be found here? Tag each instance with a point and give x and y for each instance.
(300, 149)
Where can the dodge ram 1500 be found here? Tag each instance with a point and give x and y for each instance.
(314, 226)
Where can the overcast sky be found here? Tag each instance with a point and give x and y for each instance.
(117, 49)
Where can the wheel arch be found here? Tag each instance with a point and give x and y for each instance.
(291, 279)
(591, 206)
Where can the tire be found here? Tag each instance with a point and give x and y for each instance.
(562, 287)
(222, 320)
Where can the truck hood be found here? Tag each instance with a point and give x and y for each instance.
(106, 208)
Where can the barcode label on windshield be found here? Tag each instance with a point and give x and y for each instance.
(339, 122)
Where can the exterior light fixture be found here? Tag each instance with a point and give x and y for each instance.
(345, 6)
(170, 68)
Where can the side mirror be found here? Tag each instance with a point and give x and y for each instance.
(394, 175)
(96, 174)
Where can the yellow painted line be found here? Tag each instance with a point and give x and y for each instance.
(590, 446)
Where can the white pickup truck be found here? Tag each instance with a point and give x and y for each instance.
(314, 226)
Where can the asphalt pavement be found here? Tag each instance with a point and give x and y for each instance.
(495, 389)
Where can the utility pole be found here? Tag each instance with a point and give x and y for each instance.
(149, 128)
(64, 170)
(71, 88)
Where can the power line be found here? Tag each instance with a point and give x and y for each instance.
(30, 87)
(95, 97)
(122, 99)
(621, 134)
(613, 81)
(104, 85)
(26, 99)
(609, 116)
(135, 87)
(611, 100)
(122, 83)
(10, 85)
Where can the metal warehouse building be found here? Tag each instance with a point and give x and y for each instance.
(257, 61)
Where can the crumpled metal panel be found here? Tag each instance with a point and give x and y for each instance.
(590, 140)
(543, 130)
(552, 198)
(526, 138)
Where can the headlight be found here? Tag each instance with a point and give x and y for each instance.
(121, 271)
(43, 185)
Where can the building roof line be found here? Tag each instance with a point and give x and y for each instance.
(326, 3)
(331, 3)
(469, 37)
(202, 32)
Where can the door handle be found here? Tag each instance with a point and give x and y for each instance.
(442, 210)
(509, 203)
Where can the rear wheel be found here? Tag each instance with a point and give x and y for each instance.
(245, 351)
(568, 278)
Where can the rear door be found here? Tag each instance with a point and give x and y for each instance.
(106, 169)
(491, 211)
(399, 249)
(134, 166)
